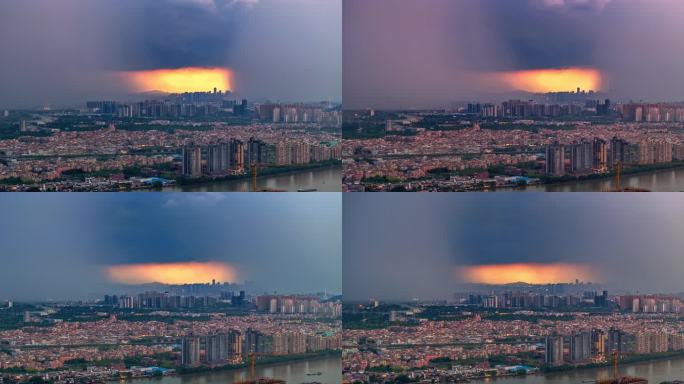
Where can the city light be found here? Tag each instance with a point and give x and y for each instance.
(532, 273)
(553, 80)
(172, 273)
(179, 80)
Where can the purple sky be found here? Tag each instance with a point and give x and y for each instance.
(423, 53)
(59, 52)
(57, 246)
(400, 246)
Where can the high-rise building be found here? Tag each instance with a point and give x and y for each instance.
(598, 343)
(192, 161)
(211, 348)
(256, 152)
(602, 300)
(104, 107)
(218, 158)
(581, 156)
(658, 342)
(489, 110)
(517, 108)
(553, 350)
(580, 347)
(618, 151)
(600, 156)
(677, 342)
(616, 340)
(235, 343)
(251, 341)
(555, 160)
(257, 342)
(650, 342)
(240, 109)
(214, 351)
(603, 109)
(190, 351)
(238, 300)
(237, 155)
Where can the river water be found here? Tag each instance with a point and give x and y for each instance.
(328, 179)
(668, 180)
(293, 373)
(655, 372)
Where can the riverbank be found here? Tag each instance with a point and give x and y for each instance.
(325, 369)
(655, 370)
(662, 179)
(635, 170)
(265, 172)
(326, 178)
(268, 360)
(658, 178)
(501, 372)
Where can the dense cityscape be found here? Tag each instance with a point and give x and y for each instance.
(548, 139)
(177, 139)
(112, 294)
(163, 333)
(512, 289)
(512, 330)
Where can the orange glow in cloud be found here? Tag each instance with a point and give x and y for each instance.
(533, 273)
(553, 80)
(190, 79)
(171, 273)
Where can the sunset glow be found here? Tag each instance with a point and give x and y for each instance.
(171, 273)
(553, 80)
(533, 273)
(191, 79)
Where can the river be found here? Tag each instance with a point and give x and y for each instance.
(293, 373)
(667, 180)
(655, 372)
(328, 179)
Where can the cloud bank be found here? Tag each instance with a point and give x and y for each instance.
(61, 52)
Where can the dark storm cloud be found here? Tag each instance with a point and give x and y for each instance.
(174, 34)
(412, 53)
(537, 35)
(124, 34)
(57, 246)
(60, 52)
(401, 246)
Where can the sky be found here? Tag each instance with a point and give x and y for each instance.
(430, 53)
(62, 52)
(404, 246)
(62, 246)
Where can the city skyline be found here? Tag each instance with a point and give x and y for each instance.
(114, 50)
(434, 244)
(494, 49)
(95, 244)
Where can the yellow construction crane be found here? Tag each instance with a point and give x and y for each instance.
(252, 365)
(618, 181)
(254, 178)
(618, 176)
(254, 170)
(253, 379)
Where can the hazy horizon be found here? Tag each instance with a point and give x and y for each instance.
(64, 246)
(430, 53)
(70, 51)
(396, 249)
